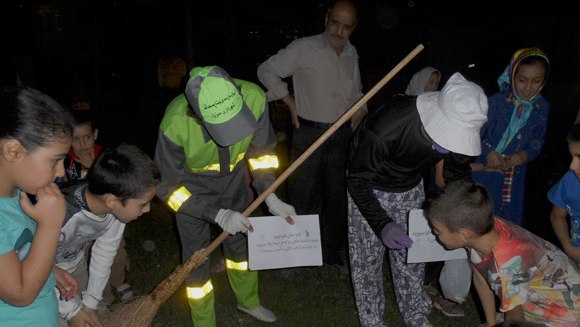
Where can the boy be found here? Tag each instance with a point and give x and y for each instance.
(81, 156)
(120, 185)
(534, 280)
(83, 150)
(565, 196)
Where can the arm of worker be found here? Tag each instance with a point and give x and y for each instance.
(263, 163)
(486, 297)
(173, 189)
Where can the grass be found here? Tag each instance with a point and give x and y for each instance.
(313, 296)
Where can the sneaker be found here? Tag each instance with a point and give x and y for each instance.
(125, 292)
(431, 290)
(448, 308)
(259, 312)
(341, 269)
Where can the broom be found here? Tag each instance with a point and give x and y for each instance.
(141, 311)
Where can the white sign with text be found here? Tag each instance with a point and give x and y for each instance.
(276, 244)
(425, 247)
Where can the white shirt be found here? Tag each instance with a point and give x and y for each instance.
(325, 84)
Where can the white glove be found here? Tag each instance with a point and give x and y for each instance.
(232, 222)
(278, 207)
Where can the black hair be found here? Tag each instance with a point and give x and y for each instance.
(82, 117)
(535, 59)
(125, 171)
(574, 134)
(33, 118)
(462, 204)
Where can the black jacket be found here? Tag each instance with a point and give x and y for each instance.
(390, 150)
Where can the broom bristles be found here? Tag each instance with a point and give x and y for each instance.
(141, 311)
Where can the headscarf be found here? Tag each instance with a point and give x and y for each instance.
(417, 83)
(522, 108)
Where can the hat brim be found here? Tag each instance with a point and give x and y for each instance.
(233, 130)
(448, 135)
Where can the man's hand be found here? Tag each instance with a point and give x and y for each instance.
(289, 101)
(280, 208)
(395, 237)
(233, 222)
(66, 284)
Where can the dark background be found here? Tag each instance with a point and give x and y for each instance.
(107, 52)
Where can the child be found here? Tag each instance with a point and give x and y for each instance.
(120, 185)
(84, 150)
(514, 133)
(534, 280)
(565, 196)
(35, 135)
(81, 156)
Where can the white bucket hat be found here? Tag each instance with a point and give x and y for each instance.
(454, 116)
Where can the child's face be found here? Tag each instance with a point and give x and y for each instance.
(432, 83)
(451, 240)
(528, 80)
(134, 208)
(37, 168)
(84, 138)
(574, 148)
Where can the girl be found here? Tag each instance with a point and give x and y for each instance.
(514, 132)
(35, 136)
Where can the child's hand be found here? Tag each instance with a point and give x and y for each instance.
(495, 161)
(517, 158)
(50, 207)
(86, 317)
(66, 284)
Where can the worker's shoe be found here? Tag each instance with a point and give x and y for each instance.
(259, 312)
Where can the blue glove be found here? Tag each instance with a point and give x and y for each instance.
(395, 237)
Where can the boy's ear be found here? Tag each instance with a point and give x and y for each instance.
(12, 150)
(95, 134)
(466, 235)
(111, 201)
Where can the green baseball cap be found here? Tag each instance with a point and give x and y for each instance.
(219, 105)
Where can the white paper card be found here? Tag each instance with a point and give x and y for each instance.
(276, 244)
(425, 247)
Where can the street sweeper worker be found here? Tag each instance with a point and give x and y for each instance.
(207, 137)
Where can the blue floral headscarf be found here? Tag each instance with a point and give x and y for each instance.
(522, 108)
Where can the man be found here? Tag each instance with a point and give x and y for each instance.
(326, 81)
(390, 150)
(206, 137)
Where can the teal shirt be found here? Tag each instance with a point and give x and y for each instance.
(16, 233)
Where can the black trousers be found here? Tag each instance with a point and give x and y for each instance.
(318, 186)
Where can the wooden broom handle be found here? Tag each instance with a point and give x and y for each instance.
(341, 121)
